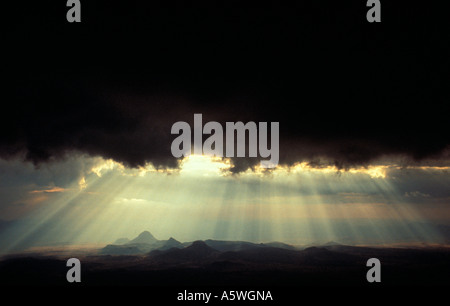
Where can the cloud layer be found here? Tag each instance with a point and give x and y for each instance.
(345, 92)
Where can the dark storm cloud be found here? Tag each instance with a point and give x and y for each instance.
(342, 89)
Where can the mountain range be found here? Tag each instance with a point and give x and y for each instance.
(142, 244)
(172, 253)
(145, 260)
(145, 243)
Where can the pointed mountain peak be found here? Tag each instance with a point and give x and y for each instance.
(144, 237)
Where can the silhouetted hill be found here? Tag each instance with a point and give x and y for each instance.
(321, 255)
(281, 245)
(144, 237)
(170, 243)
(271, 256)
(197, 251)
(223, 246)
(146, 243)
(267, 255)
(315, 250)
(139, 248)
(142, 244)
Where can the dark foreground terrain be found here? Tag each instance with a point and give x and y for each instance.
(262, 266)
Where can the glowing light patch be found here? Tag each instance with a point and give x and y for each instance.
(203, 165)
(373, 171)
(49, 190)
(106, 165)
(82, 183)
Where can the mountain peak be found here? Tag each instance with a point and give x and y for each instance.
(316, 250)
(199, 244)
(144, 237)
(171, 243)
(200, 247)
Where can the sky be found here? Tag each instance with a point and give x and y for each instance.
(362, 108)
(85, 200)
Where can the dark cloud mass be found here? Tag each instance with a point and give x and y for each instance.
(341, 88)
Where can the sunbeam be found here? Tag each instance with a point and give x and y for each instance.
(200, 200)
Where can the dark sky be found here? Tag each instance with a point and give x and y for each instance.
(114, 84)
